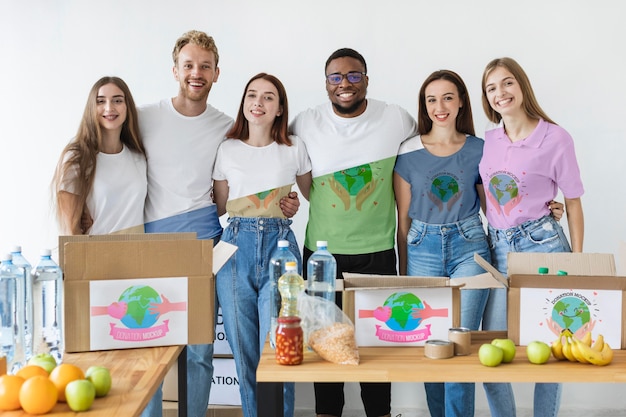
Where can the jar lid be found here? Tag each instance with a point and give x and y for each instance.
(289, 319)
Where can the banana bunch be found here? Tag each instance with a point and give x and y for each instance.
(568, 347)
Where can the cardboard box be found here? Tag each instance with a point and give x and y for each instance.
(224, 389)
(96, 267)
(405, 311)
(589, 298)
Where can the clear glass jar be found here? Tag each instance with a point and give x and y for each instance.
(289, 341)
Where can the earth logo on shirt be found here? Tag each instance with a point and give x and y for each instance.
(444, 187)
(504, 188)
(355, 182)
(354, 179)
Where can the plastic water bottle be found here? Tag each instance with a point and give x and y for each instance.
(20, 261)
(12, 313)
(47, 279)
(279, 258)
(322, 272)
(290, 285)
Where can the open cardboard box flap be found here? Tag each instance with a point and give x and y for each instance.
(602, 264)
(352, 281)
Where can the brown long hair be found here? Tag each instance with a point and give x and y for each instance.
(464, 120)
(280, 131)
(530, 105)
(80, 154)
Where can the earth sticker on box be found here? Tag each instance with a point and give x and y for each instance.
(401, 317)
(138, 312)
(579, 310)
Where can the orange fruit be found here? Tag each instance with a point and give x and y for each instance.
(10, 392)
(29, 371)
(38, 395)
(62, 375)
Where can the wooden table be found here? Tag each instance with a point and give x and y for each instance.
(408, 364)
(136, 374)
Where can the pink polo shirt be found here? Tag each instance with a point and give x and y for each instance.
(521, 177)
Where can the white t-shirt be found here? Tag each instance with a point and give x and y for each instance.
(116, 201)
(258, 177)
(181, 153)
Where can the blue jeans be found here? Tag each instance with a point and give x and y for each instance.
(243, 291)
(447, 250)
(541, 235)
(206, 224)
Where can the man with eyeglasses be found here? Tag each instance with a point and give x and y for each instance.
(352, 142)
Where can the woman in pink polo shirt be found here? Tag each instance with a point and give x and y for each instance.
(526, 159)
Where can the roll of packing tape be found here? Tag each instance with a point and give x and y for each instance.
(461, 337)
(438, 349)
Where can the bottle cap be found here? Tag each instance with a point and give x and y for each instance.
(290, 266)
(45, 252)
(7, 257)
(283, 243)
(321, 243)
(16, 248)
(561, 272)
(543, 270)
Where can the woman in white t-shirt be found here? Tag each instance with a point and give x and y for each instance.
(100, 182)
(255, 167)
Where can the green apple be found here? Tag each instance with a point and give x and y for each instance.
(100, 377)
(80, 394)
(490, 355)
(508, 348)
(45, 360)
(538, 352)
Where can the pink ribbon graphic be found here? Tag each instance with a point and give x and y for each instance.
(138, 335)
(403, 337)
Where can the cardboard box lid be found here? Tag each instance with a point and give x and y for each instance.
(138, 259)
(352, 281)
(599, 264)
(582, 282)
(522, 267)
(117, 238)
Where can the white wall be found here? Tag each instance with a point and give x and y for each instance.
(53, 51)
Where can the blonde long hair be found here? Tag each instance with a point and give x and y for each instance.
(529, 104)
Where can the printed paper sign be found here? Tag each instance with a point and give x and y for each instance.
(402, 317)
(544, 313)
(138, 312)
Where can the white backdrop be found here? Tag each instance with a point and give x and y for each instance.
(53, 51)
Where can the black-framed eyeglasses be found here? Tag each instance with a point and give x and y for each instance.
(353, 77)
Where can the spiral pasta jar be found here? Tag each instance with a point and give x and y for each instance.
(289, 341)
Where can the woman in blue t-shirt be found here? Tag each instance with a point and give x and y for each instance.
(439, 194)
